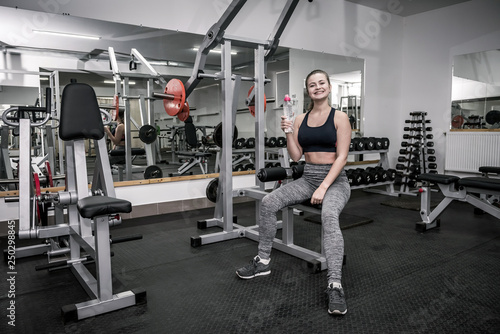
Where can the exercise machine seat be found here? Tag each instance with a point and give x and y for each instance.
(438, 178)
(93, 206)
(134, 151)
(480, 183)
(81, 118)
(489, 169)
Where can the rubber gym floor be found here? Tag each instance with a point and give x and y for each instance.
(396, 279)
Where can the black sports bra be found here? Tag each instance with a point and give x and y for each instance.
(321, 138)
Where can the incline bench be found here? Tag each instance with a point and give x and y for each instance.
(482, 192)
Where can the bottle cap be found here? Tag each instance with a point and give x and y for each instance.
(287, 98)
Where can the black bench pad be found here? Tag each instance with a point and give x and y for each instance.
(93, 206)
(438, 178)
(480, 183)
(489, 169)
(121, 153)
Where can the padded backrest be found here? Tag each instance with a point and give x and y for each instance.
(80, 114)
(190, 130)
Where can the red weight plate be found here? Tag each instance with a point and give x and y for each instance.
(457, 122)
(174, 87)
(252, 108)
(184, 113)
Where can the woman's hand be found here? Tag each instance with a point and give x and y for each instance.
(317, 197)
(285, 123)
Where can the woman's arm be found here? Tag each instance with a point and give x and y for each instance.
(292, 141)
(343, 142)
(117, 138)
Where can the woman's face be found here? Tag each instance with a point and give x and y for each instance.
(318, 87)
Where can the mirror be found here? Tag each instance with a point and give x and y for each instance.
(172, 55)
(476, 91)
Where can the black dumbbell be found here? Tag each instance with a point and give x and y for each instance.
(432, 166)
(385, 143)
(430, 151)
(406, 136)
(239, 143)
(430, 144)
(281, 142)
(358, 143)
(418, 113)
(431, 158)
(370, 143)
(271, 142)
(400, 167)
(250, 143)
(391, 174)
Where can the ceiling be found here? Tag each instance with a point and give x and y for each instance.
(407, 7)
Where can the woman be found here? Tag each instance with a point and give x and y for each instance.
(323, 136)
(117, 137)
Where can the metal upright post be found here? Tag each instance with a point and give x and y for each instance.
(226, 175)
(128, 139)
(259, 119)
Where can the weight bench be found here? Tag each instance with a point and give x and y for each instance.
(119, 168)
(478, 191)
(193, 157)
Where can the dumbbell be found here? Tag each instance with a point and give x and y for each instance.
(271, 142)
(430, 151)
(431, 158)
(429, 136)
(430, 144)
(358, 143)
(359, 177)
(415, 129)
(385, 143)
(406, 144)
(239, 143)
(391, 174)
(370, 143)
(250, 143)
(280, 142)
(412, 160)
(432, 166)
(406, 136)
(414, 169)
(401, 167)
(411, 152)
(418, 113)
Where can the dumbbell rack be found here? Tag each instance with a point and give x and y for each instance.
(384, 163)
(416, 155)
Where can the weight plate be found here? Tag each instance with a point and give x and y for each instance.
(251, 107)
(184, 113)
(217, 136)
(174, 87)
(492, 117)
(147, 134)
(153, 172)
(457, 122)
(211, 190)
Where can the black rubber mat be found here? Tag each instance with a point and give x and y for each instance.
(396, 279)
(408, 203)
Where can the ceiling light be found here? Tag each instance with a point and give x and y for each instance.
(112, 82)
(217, 51)
(64, 34)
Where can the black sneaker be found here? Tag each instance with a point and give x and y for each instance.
(336, 300)
(255, 268)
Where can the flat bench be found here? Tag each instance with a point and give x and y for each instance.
(482, 192)
(194, 158)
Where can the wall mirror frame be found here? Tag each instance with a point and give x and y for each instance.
(475, 102)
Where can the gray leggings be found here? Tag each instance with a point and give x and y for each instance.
(299, 191)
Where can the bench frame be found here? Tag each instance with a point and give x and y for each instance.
(452, 191)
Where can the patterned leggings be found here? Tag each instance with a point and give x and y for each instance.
(298, 191)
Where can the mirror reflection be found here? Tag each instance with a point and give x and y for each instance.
(476, 91)
(168, 146)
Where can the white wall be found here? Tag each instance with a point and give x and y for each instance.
(430, 41)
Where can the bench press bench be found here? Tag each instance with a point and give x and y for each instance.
(481, 192)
